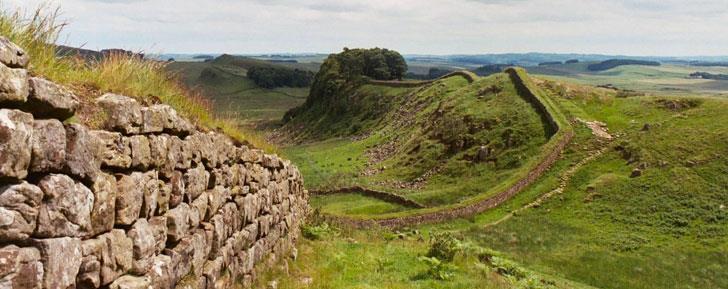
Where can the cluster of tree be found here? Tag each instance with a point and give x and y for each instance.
(572, 61)
(612, 63)
(272, 77)
(489, 69)
(203, 57)
(707, 75)
(341, 73)
(550, 63)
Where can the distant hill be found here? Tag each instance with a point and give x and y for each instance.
(88, 54)
(612, 63)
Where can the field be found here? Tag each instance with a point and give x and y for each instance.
(666, 228)
(236, 97)
(668, 79)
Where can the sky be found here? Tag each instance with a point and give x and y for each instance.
(626, 27)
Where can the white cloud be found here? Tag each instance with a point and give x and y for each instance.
(645, 27)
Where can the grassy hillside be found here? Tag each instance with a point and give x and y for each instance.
(606, 227)
(233, 95)
(423, 143)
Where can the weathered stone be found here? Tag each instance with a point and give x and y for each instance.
(162, 117)
(51, 100)
(116, 256)
(159, 148)
(13, 84)
(159, 229)
(192, 282)
(196, 182)
(271, 161)
(123, 114)
(48, 146)
(19, 206)
(132, 282)
(219, 234)
(179, 154)
(129, 198)
(177, 184)
(61, 258)
(103, 213)
(66, 208)
(11, 54)
(212, 271)
(251, 207)
(144, 245)
(151, 187)
(89, 274)
(161, 273)
(200, 251)
(16, 131)
(81, 152)
(165, 192)
(199, 209)
(216, 198)
(112, 151)
(20, 268)
(178, 222)
(141, 155)
(181, 256)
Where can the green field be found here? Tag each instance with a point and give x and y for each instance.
(667, 228)
(667, 79)
(236, 97)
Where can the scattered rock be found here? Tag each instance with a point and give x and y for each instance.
(636, 173)
(646, 127)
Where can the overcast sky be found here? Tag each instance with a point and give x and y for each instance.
(631, 27)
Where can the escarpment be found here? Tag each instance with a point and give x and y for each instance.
(147, 202)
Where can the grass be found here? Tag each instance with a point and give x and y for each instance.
(664, 229)
(425, 128)
(144, 80)
(233, 96)
(353, 205)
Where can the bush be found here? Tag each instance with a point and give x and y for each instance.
(318, 232)
(437, 269)
(444, 246)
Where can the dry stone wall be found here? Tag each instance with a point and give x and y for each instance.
(148, 202)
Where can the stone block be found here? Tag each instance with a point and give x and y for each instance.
(20, 268)
(48, 146)
(113, 151)
(123, 114)
(143, 245)
(48, 99)
(16, 132)
(19, 208)
(141, 154)
(81, 153)
(61, 258)
(13, 84)
(104, 210)
(66, 208)
(11, 55)
(129, 198)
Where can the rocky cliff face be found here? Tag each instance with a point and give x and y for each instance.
(148, 202)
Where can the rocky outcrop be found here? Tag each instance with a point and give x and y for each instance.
(147, 202)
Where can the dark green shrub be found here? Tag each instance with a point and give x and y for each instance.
(444, 246)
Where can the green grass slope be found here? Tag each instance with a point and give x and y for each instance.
(423, 143)
(234, 96)
(667, 228)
